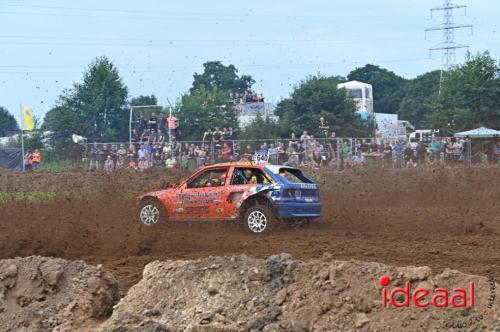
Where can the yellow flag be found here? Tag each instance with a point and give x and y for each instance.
(27, 118)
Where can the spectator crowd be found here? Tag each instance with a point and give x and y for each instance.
(156, 143)
(299, 151)
(248, 97)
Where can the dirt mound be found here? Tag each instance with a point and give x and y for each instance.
(281, 294)
(52, 294)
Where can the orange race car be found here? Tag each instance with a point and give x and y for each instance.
(258, 194)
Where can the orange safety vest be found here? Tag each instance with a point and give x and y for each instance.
(37, 157)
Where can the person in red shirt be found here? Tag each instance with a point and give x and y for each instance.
(226, 152)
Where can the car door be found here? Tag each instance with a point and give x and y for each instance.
(243, 183)
(203, 197)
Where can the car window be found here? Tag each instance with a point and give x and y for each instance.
(246, 175)
(293, 175)
(209, 178)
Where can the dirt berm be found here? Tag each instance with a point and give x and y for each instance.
(279, 293)
(52, 294)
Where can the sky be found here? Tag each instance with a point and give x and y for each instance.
(158, 45)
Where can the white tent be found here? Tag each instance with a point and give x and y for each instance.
(482, 132)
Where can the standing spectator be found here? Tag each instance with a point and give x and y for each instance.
(264, 150)
(407, 153)
(37, 159)
(135, 135)
(247, 153)
(103, 155)
(323, 126)
(141, 154)
(435, 150)
(28, 160)
(153, 122)
(496, 153)
(293, 159)
(173, 127)
(364, 146)
(421, 153)
(208, 137)
(170, 162)
(226, 152)
(231, 134)
(121, 156)
(143, 164)
(388, 155)
(142, 123)
(217, 137)
(294, 143)
(94, 157)
(305, 139)
(132, 164)
(131, 154)
(109, 164)
(398, 151)
(359, 160)
(457, 151)
(448, 150)
(345, 152)
(225, 134)
(162, 123)
(333, 145)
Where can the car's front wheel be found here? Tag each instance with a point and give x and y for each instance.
(150, 212)
(258, 219)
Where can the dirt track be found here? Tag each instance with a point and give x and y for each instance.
(435, 217)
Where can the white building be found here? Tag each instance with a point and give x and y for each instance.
(361, 93)
(247, 112)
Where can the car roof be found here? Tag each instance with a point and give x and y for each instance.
(237, 164)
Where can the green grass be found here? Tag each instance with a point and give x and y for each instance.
(60, 166)
(48, 196)
(34, 196)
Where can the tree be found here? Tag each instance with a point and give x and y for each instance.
(144, 101)
(416, 106)
(388, 88)
(315, 97)
(469, 95)
(223, 78)
(7, 122)
(63, 122)
(98, 104)
(203, 109)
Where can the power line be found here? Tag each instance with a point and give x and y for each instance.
(218, 16)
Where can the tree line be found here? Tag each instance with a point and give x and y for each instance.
(462, 98)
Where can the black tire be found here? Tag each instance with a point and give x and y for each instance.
(259, 219)
(151, 211)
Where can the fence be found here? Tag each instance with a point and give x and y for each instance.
(338, 152)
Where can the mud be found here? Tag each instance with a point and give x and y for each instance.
(442, 218)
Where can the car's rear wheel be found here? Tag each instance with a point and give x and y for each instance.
(150, 212)
(258, 220)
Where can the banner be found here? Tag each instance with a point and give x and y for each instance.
(27, 122)
(389, 126)
(11, 159)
